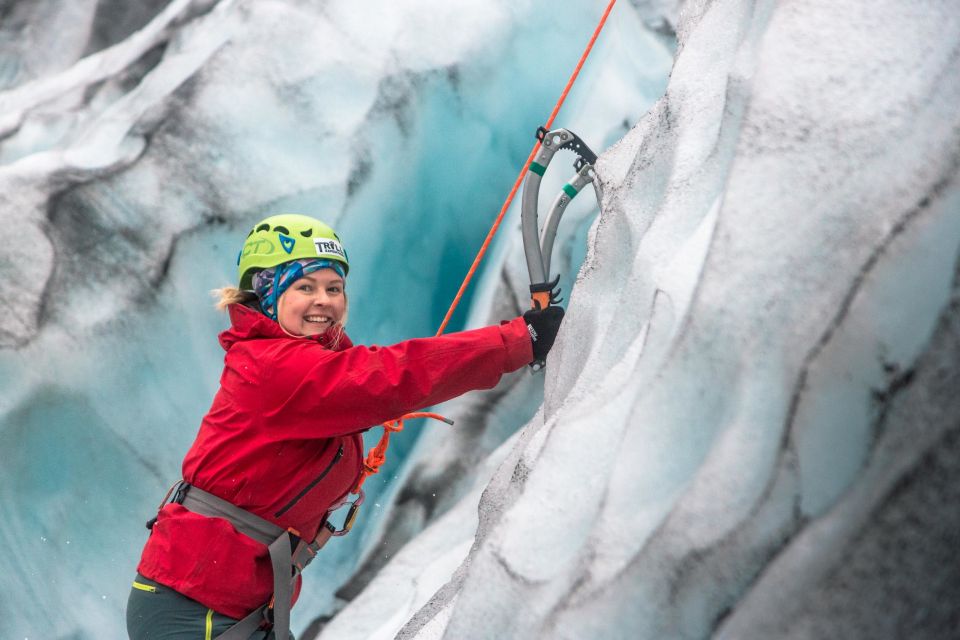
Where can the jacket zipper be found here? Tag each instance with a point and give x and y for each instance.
(323, 474)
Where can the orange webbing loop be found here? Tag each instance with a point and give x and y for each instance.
(377, 455)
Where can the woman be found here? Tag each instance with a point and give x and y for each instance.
(280, 447)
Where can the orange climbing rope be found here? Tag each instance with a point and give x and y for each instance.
(523, 171)
(377, 455)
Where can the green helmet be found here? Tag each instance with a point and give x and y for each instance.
(286, 237)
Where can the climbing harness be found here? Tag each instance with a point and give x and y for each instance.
(538, 245)
(289, 553)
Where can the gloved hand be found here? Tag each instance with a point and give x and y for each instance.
(543, 325)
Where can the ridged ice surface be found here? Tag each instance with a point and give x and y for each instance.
(750, 425)
(138, 143)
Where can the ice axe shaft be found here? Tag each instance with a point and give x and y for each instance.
(537, 245)
(533, 245)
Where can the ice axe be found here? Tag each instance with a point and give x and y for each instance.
(538, 244)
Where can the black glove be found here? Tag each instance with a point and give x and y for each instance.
(543, 325)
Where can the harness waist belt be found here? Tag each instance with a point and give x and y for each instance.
(249, 524)
(289, 555)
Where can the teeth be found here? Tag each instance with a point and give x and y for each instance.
(317, 319)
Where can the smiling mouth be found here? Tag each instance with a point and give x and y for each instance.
(318, 319)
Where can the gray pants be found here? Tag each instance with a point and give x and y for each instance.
(157, 612)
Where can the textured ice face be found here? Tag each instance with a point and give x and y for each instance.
(746, 417)
(752, 400)
(131, 177)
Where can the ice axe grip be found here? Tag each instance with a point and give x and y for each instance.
(540, 299)
(543, 294)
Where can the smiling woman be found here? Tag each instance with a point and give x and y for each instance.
(281, 448)
(314, 303)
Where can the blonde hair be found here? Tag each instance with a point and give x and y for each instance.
(232, 295)
(229, 295)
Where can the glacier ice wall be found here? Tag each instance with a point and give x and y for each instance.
(750, 423)
(134, 154)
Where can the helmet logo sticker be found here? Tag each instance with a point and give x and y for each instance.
(286, 242)
(258, 246)
(328, 246)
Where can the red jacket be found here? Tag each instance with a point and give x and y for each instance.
(290, 410)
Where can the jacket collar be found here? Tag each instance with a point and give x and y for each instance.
(250, 324)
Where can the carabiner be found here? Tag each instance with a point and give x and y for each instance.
(351, 515)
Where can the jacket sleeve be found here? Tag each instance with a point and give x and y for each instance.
(311, 392)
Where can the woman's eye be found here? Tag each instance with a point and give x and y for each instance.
(304, 287)
(333, 290)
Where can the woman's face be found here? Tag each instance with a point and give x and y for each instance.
(312, 304)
